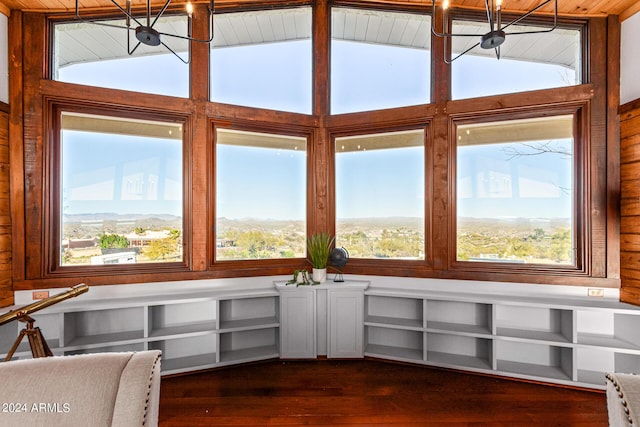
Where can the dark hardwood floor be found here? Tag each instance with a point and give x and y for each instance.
(368, 393)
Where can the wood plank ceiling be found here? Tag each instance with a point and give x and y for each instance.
(624, 8)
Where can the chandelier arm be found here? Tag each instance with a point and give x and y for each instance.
(123, 11)
(104, 24)
(489, 14)
(164, 8)
(532, 11)
(129, 50)
(174, 52)
(460, 54)
(546, 30)
(93, 21)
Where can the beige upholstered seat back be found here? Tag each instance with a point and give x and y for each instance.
(623, 399)
(106, 389)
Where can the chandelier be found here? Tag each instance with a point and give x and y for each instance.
(143, 26)
(497, 30)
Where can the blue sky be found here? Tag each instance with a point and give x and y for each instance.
(364, 77)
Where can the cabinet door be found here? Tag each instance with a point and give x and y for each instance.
(297, 324)
(346, 323)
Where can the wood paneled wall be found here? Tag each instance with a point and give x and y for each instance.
(630, 202)
(6, 289)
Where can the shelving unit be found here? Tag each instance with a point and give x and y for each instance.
(194, 330)
(571, 342)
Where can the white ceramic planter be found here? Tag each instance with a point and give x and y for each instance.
(319, 275)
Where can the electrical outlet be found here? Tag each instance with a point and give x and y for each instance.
(595, 292)
(40, 295)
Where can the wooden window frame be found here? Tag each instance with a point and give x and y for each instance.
(271, 265)
(52, 221)
(32, 95)
(581, 202)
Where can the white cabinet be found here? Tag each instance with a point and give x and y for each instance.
(298, 317)
(193, 330)
(541, 339)
(313, 317)
(345, 323)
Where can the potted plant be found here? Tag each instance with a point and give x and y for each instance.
(319, 248)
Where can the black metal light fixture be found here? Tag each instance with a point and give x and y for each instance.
(496, 34)
(143, 25)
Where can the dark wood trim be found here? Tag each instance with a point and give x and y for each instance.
(16, 154)
(6, 285)
(613, 147)
(598, 145)
(630, 202)
(197, 144)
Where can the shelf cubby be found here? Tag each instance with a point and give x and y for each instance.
(249, 345)
(394, 311)
(459, 351)
(83, 328)
(182, 318)
(247, 313)
(188, 353)
(49, 325)
(627, 363)
(533, 360)
(398, 344)
(535, 323)
(608, 329)
(458, 316)
(593, 363)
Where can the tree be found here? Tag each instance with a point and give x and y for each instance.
(161, 248)
(113, 241)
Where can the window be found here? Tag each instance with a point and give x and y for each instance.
(516, 191)
(263, 59)
(379, 60)
(379, 186)
(96, 55)
(261, 196)
(527, 61)
(121, 191)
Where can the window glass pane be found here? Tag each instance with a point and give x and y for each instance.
(380, 195)
(261, 182)
(121, 198)
(263, 59)
(515, 191)
(379, 60)
(527, 61)
(96, 55)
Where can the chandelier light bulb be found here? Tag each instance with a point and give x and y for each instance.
(189, 9)
(445, 5)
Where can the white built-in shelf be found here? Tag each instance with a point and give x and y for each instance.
(566, 341)
(244, 324)
(108, 338)
(533, 371)
(194, 330)
(569, 341)
(183, 329)
(188, 363)
(449, 360)
(394, 353)
(249, 354)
